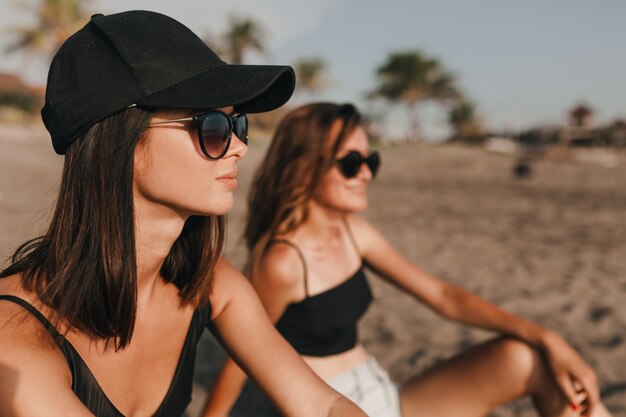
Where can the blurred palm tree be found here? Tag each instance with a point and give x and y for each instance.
(55, 21)
(464, 121)
(242, 35)
(311, 75)
(412, 78)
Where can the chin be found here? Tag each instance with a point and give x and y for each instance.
(360, 205)
(213, 209)
(221, 211)
(355, 208)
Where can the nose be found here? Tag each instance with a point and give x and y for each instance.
(237, 148)
(364, 174)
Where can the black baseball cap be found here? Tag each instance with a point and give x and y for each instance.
(150, 60)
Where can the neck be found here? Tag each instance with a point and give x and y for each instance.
(323, 223)
(156, 229)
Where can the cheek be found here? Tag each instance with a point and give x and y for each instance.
(339, 194)
(179, 179)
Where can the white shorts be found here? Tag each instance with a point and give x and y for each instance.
(367, 385)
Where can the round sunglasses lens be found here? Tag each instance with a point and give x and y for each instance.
(241, 128)
(350, 164)
(373, 162)
(214, 133)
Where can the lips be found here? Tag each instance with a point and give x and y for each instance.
(231, 175)
(229, 179)
(358, 189)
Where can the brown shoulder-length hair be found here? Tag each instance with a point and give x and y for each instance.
(302, 151)
(84, 266)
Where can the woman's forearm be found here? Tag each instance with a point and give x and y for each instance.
(225, 391)
(466, 307)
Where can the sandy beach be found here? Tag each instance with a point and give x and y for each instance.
(550, 248)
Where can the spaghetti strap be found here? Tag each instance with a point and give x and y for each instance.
(352, 238)
(46, 323)
(301, 256)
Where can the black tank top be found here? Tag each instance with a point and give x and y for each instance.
(89, 392)
(326, 323)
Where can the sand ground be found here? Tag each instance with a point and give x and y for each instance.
(551, 248)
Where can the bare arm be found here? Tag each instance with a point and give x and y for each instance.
(463, 306)
(34, 376)
(252, 341)
(276, 285)
(225, 390)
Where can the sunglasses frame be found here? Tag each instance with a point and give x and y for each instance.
(372, 161)
(232, 125)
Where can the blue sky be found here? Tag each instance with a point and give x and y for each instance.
(522, 63)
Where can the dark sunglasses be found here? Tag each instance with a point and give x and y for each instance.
(350, 164)
(215, 131)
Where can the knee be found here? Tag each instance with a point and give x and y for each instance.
(520, 357)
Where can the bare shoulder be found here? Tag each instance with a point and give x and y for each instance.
(24, 341)
(34, 374)
(281, 267)
(227, 282)
(23, 338)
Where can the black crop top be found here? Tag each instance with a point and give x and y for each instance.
(326, 323)
(89, 392)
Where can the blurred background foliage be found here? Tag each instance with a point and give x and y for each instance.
(407, 79)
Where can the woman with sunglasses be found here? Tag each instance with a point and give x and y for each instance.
(308, 249)
(101, 315)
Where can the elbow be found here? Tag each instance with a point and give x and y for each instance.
(450, 301)
(342, 407)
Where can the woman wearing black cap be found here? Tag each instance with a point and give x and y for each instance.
(101, 315)
(308, 252)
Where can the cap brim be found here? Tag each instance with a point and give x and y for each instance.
(249, 88)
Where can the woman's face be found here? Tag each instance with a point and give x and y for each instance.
(171, 171)
(346, 194)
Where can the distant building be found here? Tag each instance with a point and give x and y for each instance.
(615, 133)
(579, 131)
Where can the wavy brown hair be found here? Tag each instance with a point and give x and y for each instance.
(84, 266)
(302, 151)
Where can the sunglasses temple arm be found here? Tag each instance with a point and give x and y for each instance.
(186, 119)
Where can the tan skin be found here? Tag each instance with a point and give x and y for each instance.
(172, 181)
(469, 384)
